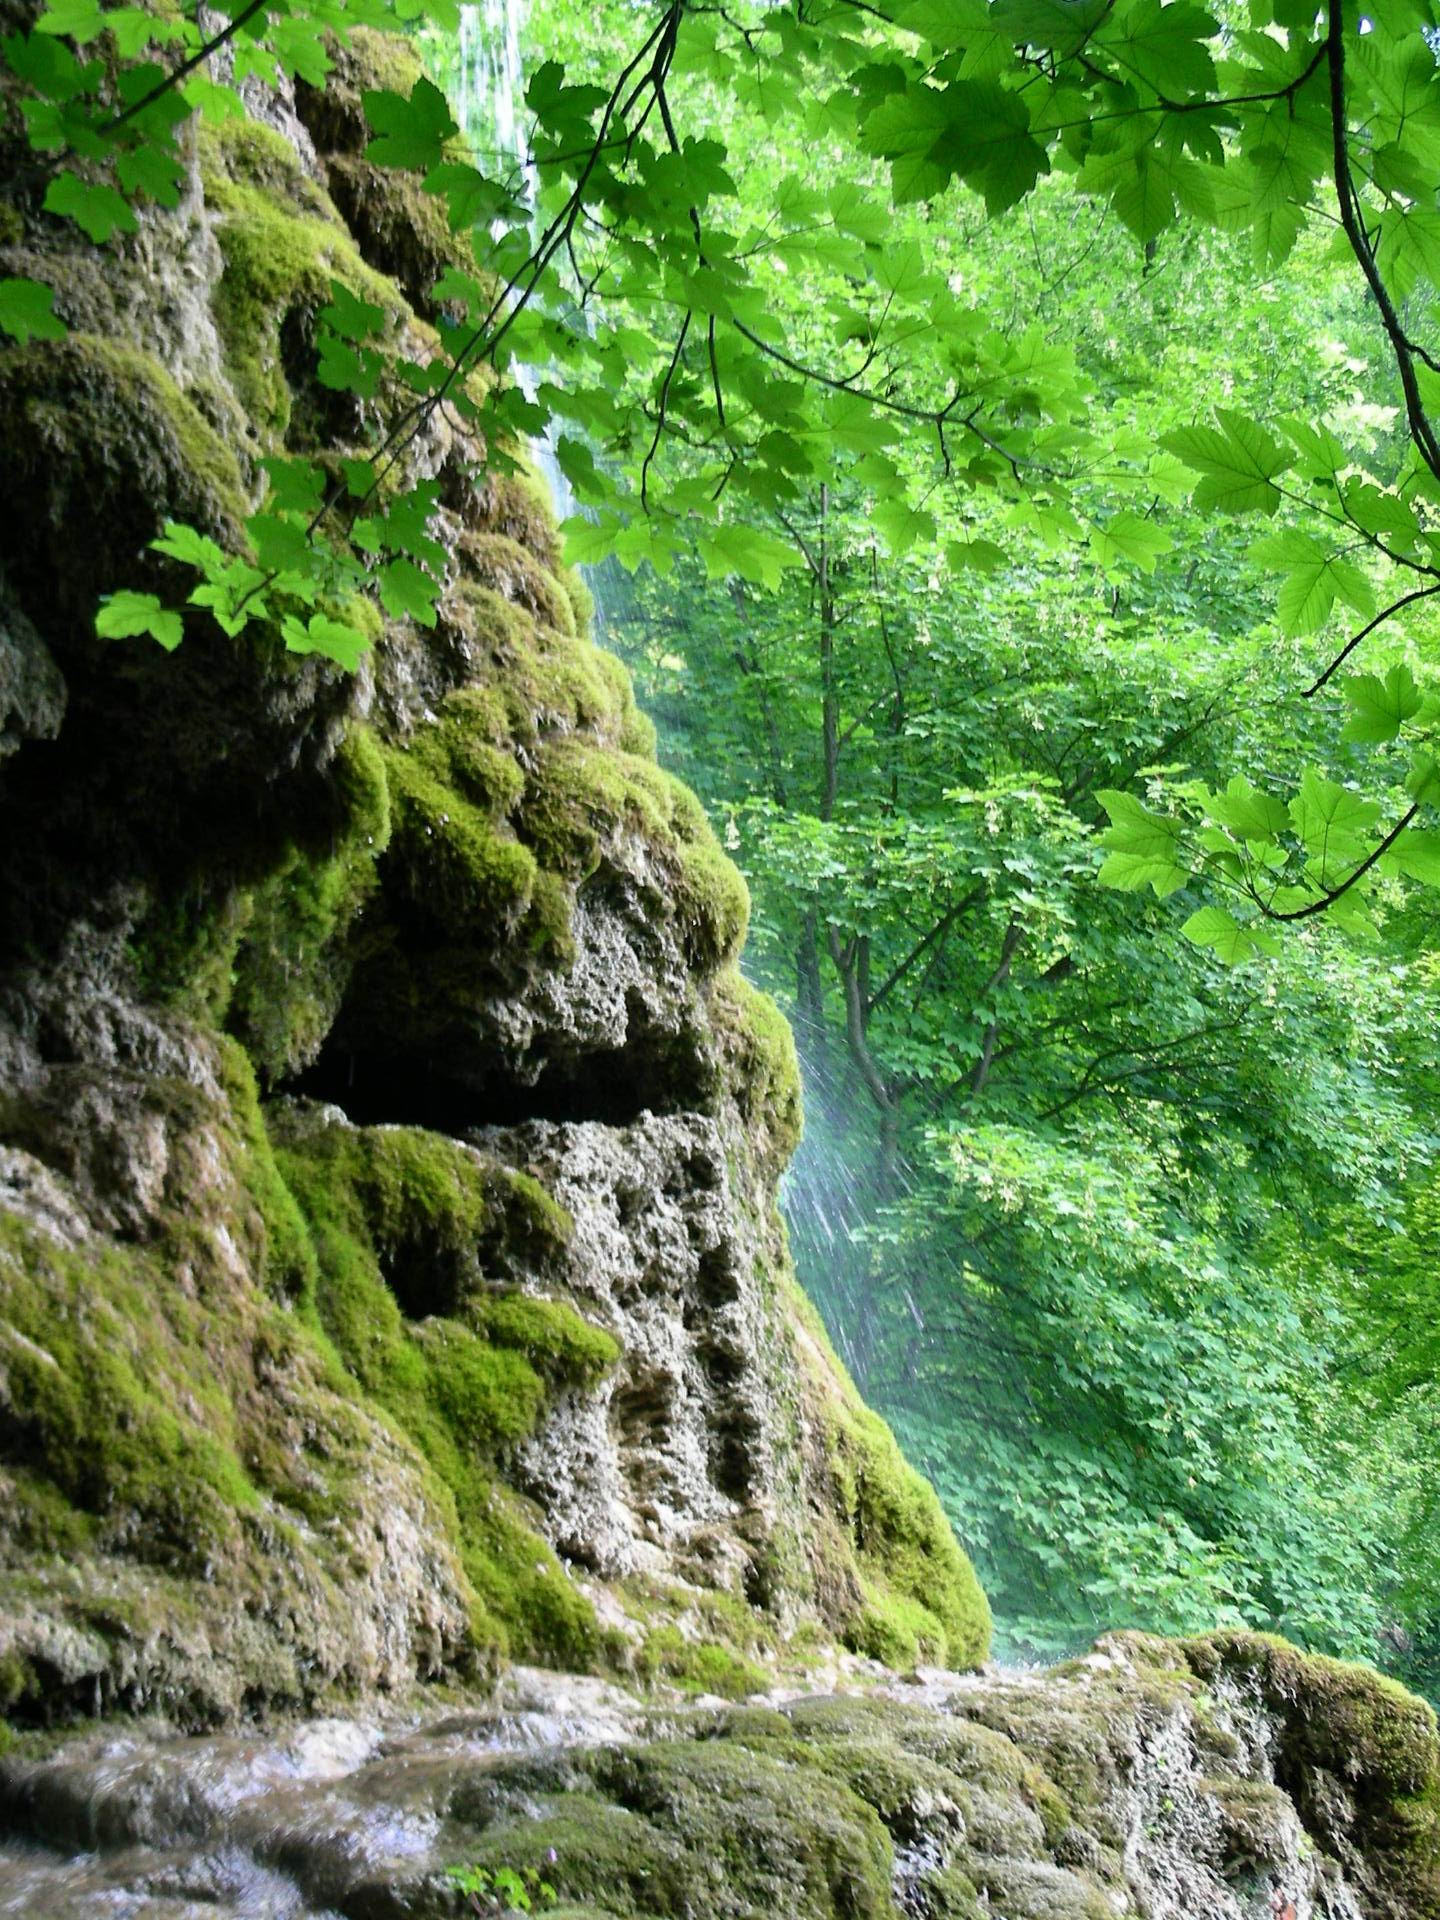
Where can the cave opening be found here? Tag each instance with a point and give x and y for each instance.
(376, 1088)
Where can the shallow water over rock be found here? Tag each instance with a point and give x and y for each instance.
(1115, 1786)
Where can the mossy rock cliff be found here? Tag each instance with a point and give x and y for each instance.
(390, 1278)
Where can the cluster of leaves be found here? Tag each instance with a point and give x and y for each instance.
(1074, 1195)
(627, 260)
(500, 1890)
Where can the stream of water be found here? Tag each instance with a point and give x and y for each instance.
(489, 96)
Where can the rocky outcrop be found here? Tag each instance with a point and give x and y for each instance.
(390, 1279)
(1176, 1783)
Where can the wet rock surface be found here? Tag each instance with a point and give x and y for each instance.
(1121, 1785)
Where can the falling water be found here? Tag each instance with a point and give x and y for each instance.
(491, 82)
(489, 92)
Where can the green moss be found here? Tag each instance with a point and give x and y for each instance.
(521, 577)
(416, 1201)
(923, 1601)
(687, 1827)
(1254, 1822)
(279, 263)
(567, 1350)
(96, 1380)
(290, 966)
(16, 1681)
(246, 153)
(94, 413)
(1353, 1726)
(762, 1070)
(485, 1394)
(183, 950)
(400, 229)
(455, 785)
(905, 1555)
(950, 1894)
(401, 1221)
(455, 860)
(360, 61)
(705, 1666)
(637, 730)
(285, 1262)
(583, 797)
(40, 1519)
(518, 505)
(535, 1227)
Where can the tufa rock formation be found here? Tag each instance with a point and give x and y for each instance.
(1160, 1782)
(390, 1277)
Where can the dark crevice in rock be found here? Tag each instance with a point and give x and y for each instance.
(717, 1280)
(426, 1277)
(377, 1089)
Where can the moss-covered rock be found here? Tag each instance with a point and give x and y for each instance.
(761, 1065)
(402, 1223)
(97, 433)
(279, 266)
(914, 1595)
(1357, 1754)
(296, 1379)
(291, 958)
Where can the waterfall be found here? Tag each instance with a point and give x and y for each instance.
(491, 82)
(489, 94)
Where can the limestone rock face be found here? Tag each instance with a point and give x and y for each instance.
(676, 1460)
(390, 1279)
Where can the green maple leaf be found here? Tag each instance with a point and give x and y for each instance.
(1381, 706)
(1237, 460)
(27, 311)
(1213, 927)
(334, 639)
(1307, 595)
(98, 210)
(1255, 816)
(349, 316)
(77, 20)
(194, 548)
(125, 614)
(413, 132)
(1416, 854)
(1163, 45)
(1143, 847)
(907, 131)
(1333, 822)
(406, 590)
(470, 199)
(587, 540)
(1130, 536)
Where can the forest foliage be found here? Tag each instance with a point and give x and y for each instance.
(1017, 419)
